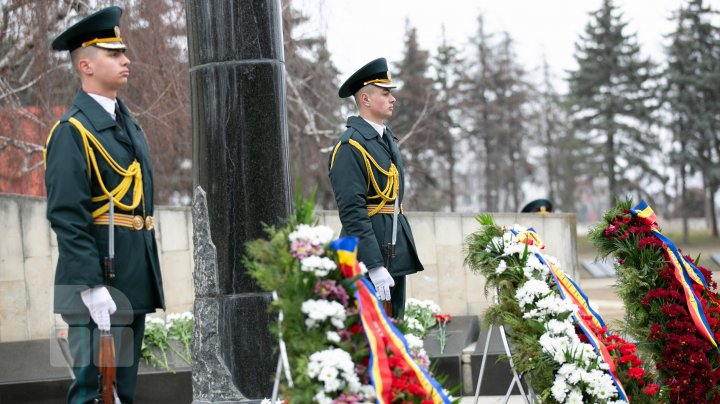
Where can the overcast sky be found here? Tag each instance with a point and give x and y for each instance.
(361, 30)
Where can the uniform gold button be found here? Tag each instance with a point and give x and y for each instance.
(138, 222)
(149, 222)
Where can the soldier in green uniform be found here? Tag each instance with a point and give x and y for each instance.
(98, 150)
(367, 178)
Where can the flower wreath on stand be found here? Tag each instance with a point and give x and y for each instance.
(671, 304)
(560, 343)
(341, 346)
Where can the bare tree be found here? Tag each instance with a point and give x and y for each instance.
(314, 109)
(37, 85)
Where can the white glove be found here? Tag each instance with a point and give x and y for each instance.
(382, 281)
(100, 304)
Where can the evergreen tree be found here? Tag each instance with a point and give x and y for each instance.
(692, 97)
(412, 123)
(611, 102)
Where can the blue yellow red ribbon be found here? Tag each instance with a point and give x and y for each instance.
(383, 337)
(528, 237)
(685, 272)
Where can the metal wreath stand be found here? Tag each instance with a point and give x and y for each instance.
(516, 380)
(283, 363)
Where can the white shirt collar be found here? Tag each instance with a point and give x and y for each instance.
(108, 104)
(378, 128)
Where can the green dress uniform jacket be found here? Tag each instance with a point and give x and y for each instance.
(137, 287)
(351, 184)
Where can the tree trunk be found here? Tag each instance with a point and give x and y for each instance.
(610, 163)
(684, 202)
(713, 217)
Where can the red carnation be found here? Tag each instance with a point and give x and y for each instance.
(636, 373)
(627, 349)
(651, 389)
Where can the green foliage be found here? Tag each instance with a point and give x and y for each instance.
(158, 338)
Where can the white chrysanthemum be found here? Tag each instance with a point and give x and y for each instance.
(534, 268)
(575, 397)
(363, 268)
(557, 327)
(559, 389)
(599, 384)
(422, 305)
(502, 266)
(530, 291)
(570, 372)
(550, 306)
(332, 336)
(335, 369)
(321, 398)
(414, 342)
(318, 311)
(320, 266)
(367, 392)
(154, 322)
(317, 235)
(413, 325)
(179, 316)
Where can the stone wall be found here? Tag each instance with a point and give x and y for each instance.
(28, 253)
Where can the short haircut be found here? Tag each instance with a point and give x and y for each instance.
(365, 89)
(75, 55)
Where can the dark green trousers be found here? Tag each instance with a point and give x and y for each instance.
(397, 297)
(128, 331)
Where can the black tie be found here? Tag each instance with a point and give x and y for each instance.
(386, 138)
(119, 119)
(125, 133)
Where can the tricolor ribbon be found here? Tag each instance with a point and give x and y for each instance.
(528, 237)
(383, 337)
(685, 272)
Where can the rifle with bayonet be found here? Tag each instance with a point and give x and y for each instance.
(107, 377)
(390, 251)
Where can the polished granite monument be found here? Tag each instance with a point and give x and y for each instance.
(237, 78)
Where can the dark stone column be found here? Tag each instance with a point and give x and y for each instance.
(237, 75)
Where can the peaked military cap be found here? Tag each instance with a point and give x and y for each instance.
(538, 206)
(375, 73)
(100, 29)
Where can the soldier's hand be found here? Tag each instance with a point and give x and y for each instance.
(100, 304)
(382, 281)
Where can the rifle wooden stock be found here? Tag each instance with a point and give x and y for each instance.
(106, 367)
(387, 305)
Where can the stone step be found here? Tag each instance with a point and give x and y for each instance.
(37, 372)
